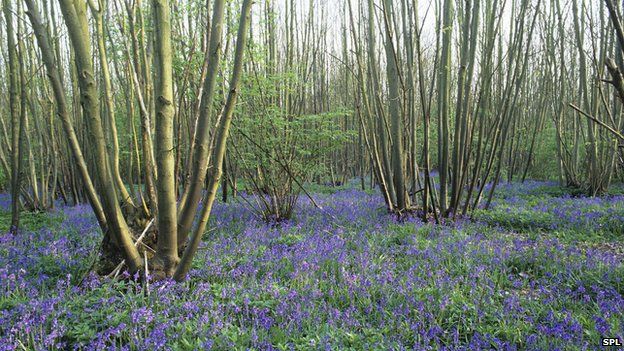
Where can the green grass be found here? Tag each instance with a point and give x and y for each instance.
(31, 221)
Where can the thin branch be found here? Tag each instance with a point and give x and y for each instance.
(600, 123)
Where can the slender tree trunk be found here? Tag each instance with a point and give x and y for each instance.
(14, 103)
(444, 102)
(123, 193)
(219, 146)
(201, 143)
(167, 251)
(396, 117)
(75, 17)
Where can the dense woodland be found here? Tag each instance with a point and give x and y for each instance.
(154, 112)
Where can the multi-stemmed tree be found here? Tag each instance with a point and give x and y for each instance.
(473, 102)
(106, 197)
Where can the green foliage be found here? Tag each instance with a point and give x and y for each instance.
(545, 165)
(562, 212)
(519, 219)
(4, 180)
(30, 221)
(316, 188)
(277, 149)
(270, 138)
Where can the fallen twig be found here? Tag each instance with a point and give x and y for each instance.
(117, 269)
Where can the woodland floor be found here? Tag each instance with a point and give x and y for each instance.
(540, 270)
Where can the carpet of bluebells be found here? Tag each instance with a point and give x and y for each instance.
(539, 270)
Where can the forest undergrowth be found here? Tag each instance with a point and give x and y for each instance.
(540, 270)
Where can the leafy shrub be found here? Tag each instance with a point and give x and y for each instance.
(273, 146)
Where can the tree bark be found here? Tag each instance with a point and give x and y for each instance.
(219, 146)
(167, 250)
